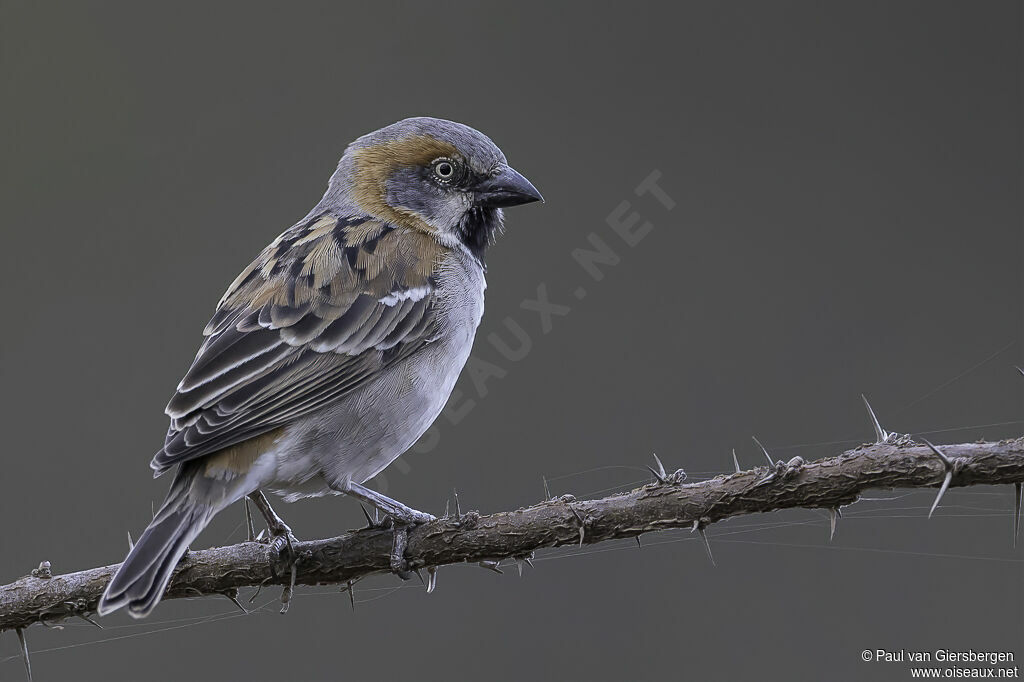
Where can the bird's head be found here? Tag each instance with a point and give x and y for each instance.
(437, 176)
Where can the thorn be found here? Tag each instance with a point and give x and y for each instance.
(948, 463)
(524, 559)
(579, 519)
(771, 462)
(250, 528)
(431, 579)
(235, 601)
(833, 518)
(547, 492)
(366, 514)
(735, 461)
(260, 536)
(458, 508)
(492, 566)
(942, 491)
(881, 435)
(131, 543)
(350, 588)
(945, 460)
(1017, 491)
(659, 473)
(89, 620)
(286, 593)
(24, 652)
(446, 503)
(699, 527)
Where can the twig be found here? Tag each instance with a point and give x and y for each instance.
(822, 484)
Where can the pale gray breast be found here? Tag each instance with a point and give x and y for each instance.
(367, 430)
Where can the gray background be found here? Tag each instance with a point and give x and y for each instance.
(847, 179)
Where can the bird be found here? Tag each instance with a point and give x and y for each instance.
(336, 348)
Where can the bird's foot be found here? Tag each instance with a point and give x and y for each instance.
(282, 542)
(400, 517)
(280, 534)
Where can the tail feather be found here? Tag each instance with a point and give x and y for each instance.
(141, 580)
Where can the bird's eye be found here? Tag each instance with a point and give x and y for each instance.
(444, 169)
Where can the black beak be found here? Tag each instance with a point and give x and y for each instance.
(506, 188)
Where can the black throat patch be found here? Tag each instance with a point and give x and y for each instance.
(478, 229)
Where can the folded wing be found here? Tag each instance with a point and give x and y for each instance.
(326, 306)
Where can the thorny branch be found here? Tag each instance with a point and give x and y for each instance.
(669, 502)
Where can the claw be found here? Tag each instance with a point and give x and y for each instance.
(398, 565)
(881, 435)
(431, 579)
(699, 527)
(948, 463)
(24, 652)
(289, 589)
(735, 461)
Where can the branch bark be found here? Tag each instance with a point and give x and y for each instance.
(824, 484)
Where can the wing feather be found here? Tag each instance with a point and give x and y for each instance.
(323, 308)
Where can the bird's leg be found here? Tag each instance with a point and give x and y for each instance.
(282, 541)
(399, 513)
(402, 517)
(280, 533)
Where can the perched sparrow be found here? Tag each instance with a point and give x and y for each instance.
(335, 349)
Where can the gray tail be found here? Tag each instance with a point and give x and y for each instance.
(141, 580)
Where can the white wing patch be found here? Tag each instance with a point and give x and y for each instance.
(414, 294)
